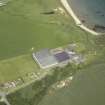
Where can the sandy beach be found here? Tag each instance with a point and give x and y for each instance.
(76, 19)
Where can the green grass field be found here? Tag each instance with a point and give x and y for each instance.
(16, 67)
(2, 104)
(23, 27)
(39, 88)
(77, 90)
(86, 88)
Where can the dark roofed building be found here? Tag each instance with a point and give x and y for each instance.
(62, 57)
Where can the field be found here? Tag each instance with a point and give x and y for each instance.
(21, 66)
(25, 28)
(76, 90)
(2, 103)
(39, 89)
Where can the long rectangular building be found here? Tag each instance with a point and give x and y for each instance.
(45, 59)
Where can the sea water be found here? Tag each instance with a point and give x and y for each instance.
(91, 12)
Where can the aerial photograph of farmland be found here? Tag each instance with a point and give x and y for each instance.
(52, 52)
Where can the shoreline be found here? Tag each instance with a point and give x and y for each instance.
(76, 19)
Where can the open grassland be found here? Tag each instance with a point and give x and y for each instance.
(2, 103)
(39, 88)
(24, 27)
(41, 92)
(86, 88)
(17, 67)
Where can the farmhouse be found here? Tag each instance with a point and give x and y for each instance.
(48, 58)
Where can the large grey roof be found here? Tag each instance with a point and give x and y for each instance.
(45, 58)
